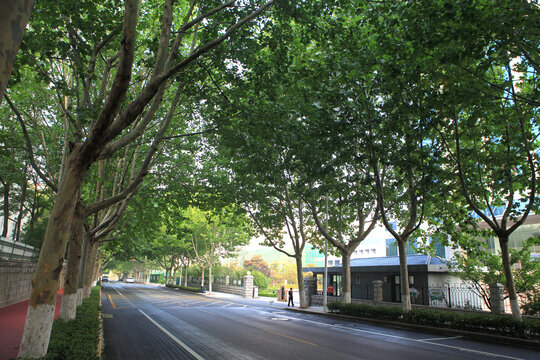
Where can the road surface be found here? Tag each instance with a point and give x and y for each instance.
(150, 322)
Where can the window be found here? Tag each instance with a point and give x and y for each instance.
(391, 247)
(393, 225)
(437, 246)
(373, 251)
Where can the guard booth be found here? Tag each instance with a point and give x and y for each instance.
(282, 294)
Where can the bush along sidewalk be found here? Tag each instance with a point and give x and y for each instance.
(77, 338)
(527, 328)
(268, 293)
(186, 288)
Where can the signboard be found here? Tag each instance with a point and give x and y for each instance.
(435, 294)
(331, 289)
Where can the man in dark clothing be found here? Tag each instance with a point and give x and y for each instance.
(291, 301)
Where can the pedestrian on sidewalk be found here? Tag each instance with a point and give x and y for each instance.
(291, 301)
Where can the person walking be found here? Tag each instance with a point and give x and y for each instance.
(291, 301)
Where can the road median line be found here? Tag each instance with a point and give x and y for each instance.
(112, 302)
(290, 337)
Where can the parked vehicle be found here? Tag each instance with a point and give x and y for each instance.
(129, 280)
(104, 278)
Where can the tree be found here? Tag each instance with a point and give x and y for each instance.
(257, 263)
(13, 22)
(481, 268)
(106, 120)
(488, 116)
(215, 235)
(260, 280)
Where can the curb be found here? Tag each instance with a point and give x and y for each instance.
(101, 343)
(491, 338)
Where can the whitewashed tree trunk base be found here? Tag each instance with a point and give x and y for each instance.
(37, 331)
(406, 302)
(346, 297)
(516, 311)
(79, 296)
(69, 306)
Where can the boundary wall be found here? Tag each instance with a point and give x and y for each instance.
(16, 280)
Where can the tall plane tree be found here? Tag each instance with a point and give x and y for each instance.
(107, 123)
(488, 114)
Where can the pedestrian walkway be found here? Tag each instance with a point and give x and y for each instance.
(12, 319)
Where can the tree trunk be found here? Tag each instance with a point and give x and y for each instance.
(45, 283)
(185, 279)
(15, 17)
(69, 299)
(180, 277)
(82, 270)
(210, 278)
(510, 285)
(90, 268)
(300, 277)
(6, 210)
(404, 276)
(346, 277)
(17, 230)
(202, 277)
(97, 269)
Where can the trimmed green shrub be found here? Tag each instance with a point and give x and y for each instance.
(186, 288)
(486, 323)
(260, 280)
(77, 338)
(267, 293)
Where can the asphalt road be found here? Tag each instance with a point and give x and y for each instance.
(149, 322)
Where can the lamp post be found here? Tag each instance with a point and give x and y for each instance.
(325, 278)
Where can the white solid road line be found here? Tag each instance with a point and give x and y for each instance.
(187, 348)
(122, 295)
(441, 338)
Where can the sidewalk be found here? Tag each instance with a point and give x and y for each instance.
(12, 319)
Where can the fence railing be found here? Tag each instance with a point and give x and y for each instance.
(17, 251)
(460, 296)
(457, 296)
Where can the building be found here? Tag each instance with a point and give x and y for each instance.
(429, 280)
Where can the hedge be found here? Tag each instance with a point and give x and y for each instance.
(268, 293)
(186, 288)
(486, 323)
(77, 338)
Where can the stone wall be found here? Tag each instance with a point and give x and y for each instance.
(245, 290)
(229, 289)
(16, 280)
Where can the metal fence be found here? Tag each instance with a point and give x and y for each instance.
(17, 251)
(456, 296)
